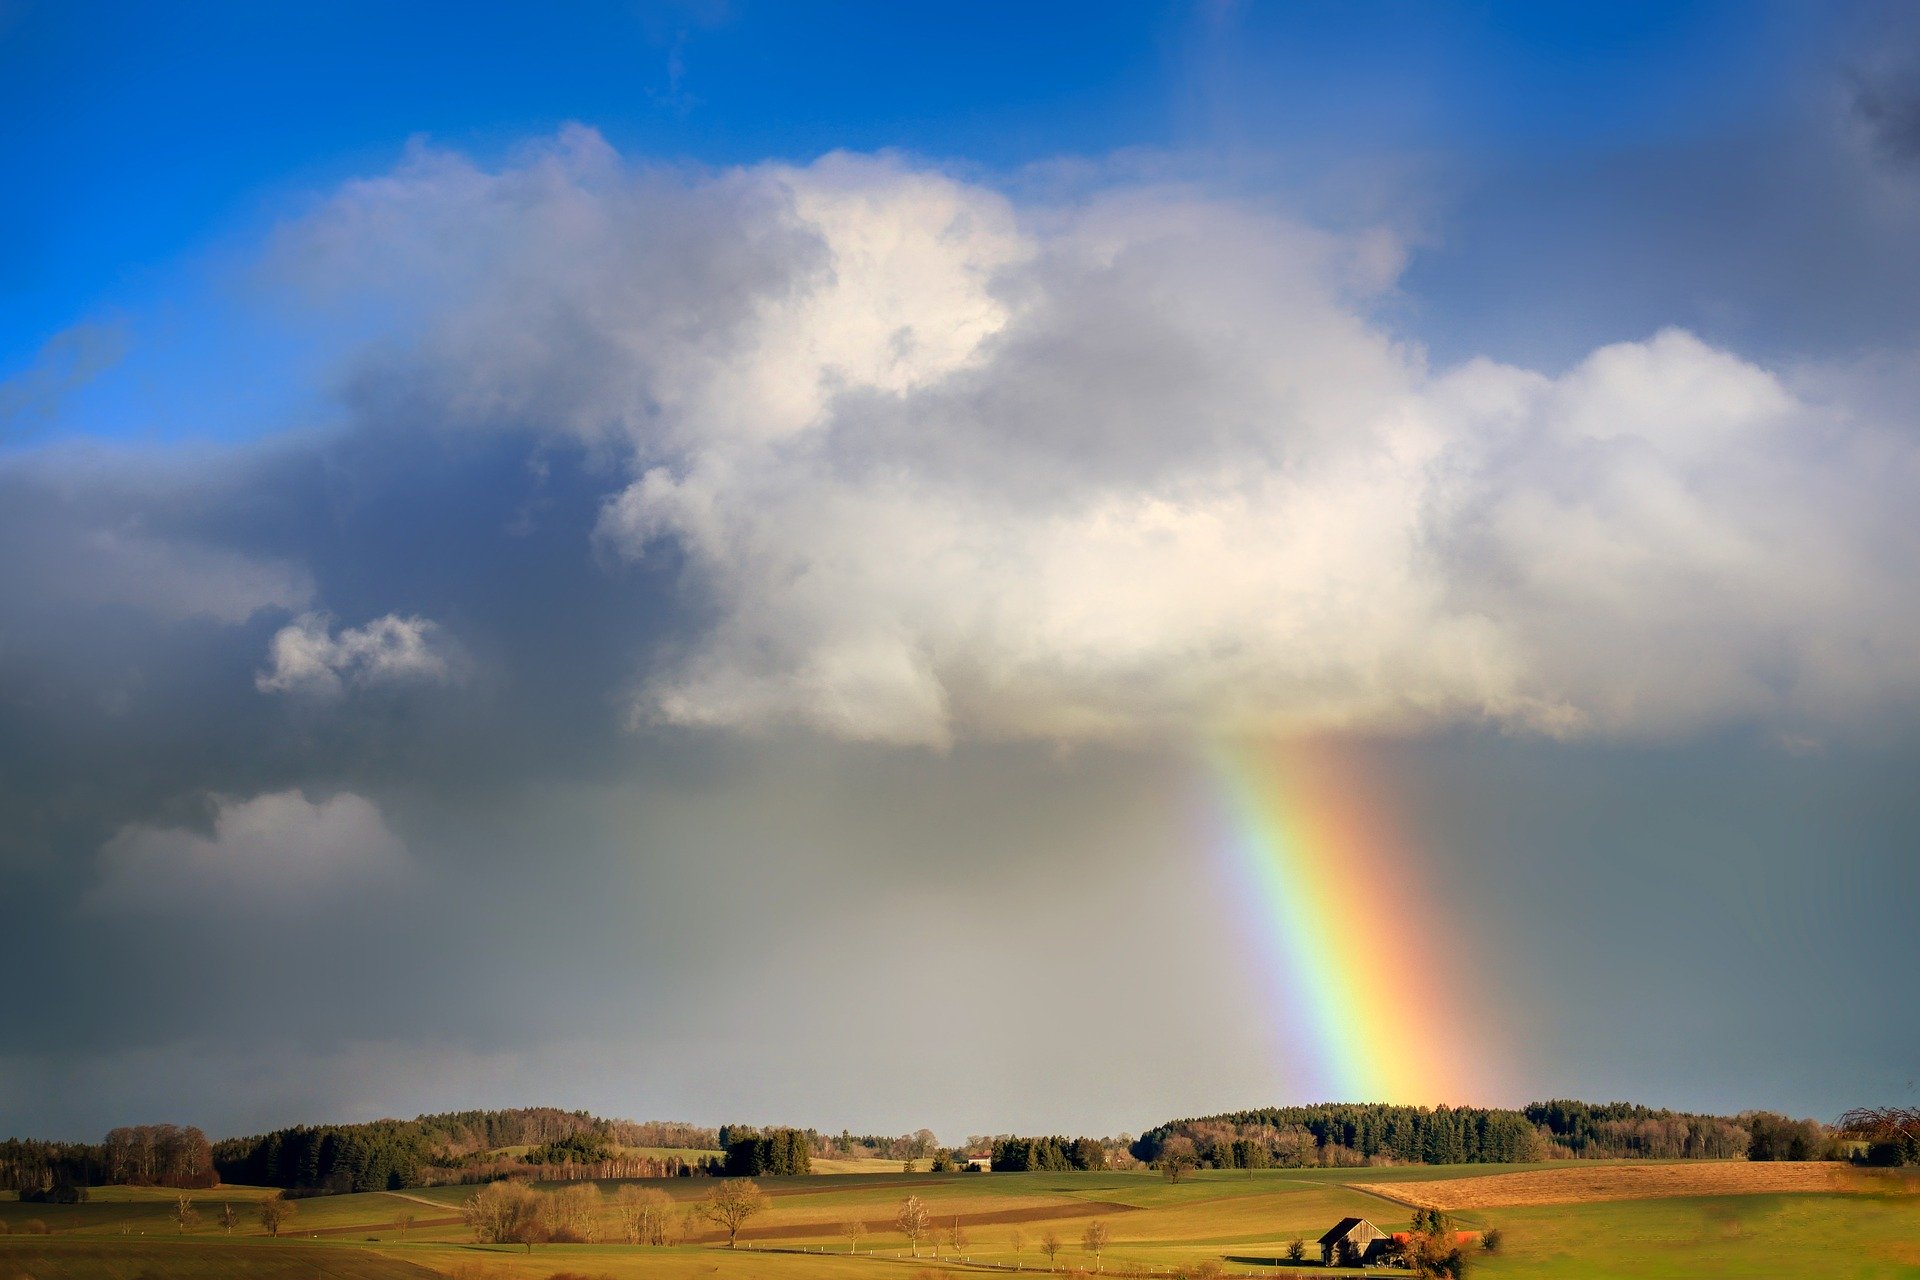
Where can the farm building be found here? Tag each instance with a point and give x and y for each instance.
(978, 1164)
(1353, 1241)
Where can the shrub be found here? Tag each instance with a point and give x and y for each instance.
(1492, 1239)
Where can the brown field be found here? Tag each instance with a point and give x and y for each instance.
(1577, 1184)
(880, 1226)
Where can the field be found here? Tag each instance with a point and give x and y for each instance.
(1585, 1184)
(1690, 1220)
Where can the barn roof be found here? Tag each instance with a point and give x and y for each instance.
(1345, 1227)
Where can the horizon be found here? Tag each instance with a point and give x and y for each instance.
(967, 568)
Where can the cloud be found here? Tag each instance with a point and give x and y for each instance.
(1887, 104)
(277, 851)
(309, 660)
(86, 533)
(937, 466)
(69, 361)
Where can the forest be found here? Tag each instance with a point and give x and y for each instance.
(459, 1146)
(1352, 1134)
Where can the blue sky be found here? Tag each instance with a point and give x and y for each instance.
(614, 476)
(171, 137)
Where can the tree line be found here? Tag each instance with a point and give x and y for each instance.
(1348, 1133)
(1013, 1154)
(777, 1152)
(148, 1155)
(1343, 1133)
(462, 1146)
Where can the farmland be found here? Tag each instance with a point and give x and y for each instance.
(1691, 1219)
(1583, 1183)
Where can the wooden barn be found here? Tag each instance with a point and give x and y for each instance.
(1353, 1242)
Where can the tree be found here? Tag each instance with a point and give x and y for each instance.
(909, 1165)
(184, 1213)
(957, 1235)
(645, 1214)
(1432, 1249)
(1094, 1240)
(404, 1221)
(853, 1229)
(1177, 1158)
(1017, 1241)
(275, 1211)
(1892, 1134)
(913, 1220)
(572, 1214)
(506, 1213)
(1050, 1245)
(227, 1218)
(730, 1204)
(1296, 1251)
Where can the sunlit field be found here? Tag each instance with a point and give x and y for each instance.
(1239, 1222)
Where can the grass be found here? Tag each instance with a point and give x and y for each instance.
(1244, 1221)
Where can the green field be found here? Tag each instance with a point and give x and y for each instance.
(1240, 1221)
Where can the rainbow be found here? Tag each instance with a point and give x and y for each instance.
(1357, 987)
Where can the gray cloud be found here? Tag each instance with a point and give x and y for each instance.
(1886, 98)
(272, 853)
(81, 538)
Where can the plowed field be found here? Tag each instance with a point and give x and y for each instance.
(1577, 1184)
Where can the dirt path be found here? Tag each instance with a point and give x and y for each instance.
(440, 1205)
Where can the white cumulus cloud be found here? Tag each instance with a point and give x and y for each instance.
(274, 851)
(941, 464)
(309, 658)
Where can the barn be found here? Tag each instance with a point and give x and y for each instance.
(1351, 1242)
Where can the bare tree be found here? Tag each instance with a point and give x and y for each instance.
(1094, 1241)
(506, 1213)
(957, 1235)
(645, 1213)
(275, 1211)
(1050, 1245)
(913, 1221)
(184, 1213)
(853, 1229)
(1296, 1251)
(227, 1218)
(572, 1214)
(1017, 1241)
(404, 1221)
(730, 1204)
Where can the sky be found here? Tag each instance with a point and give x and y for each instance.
(991, 567)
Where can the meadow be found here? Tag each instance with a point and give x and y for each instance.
(1689, 1225)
